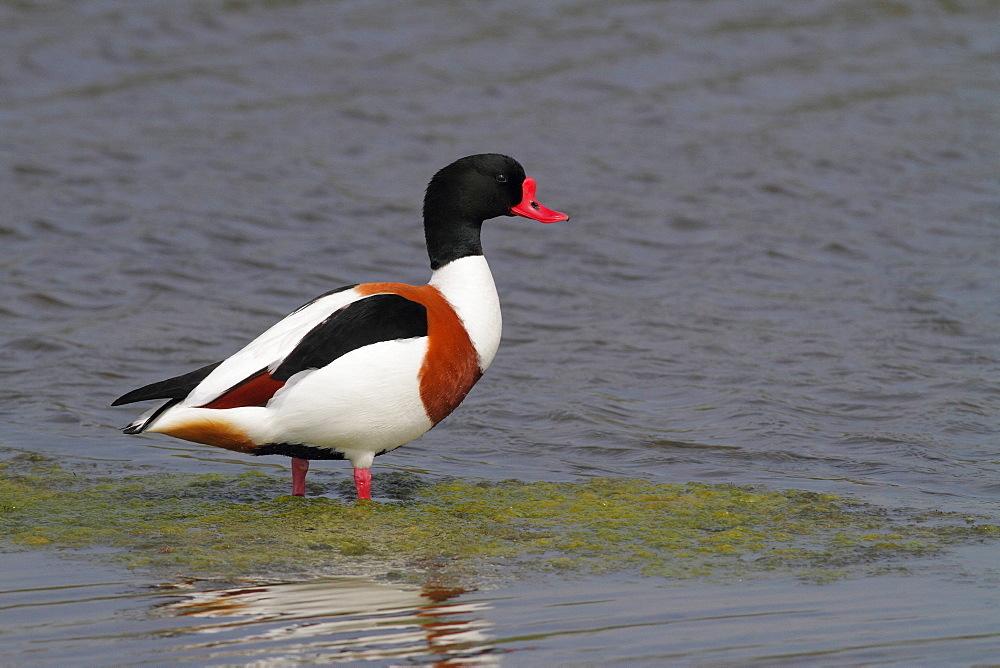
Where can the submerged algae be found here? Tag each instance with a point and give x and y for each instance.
(232, 525)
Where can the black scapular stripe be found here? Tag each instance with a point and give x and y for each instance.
(385, 317)
(177, 387)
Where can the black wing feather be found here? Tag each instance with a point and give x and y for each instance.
(383, 317)
(177, 387)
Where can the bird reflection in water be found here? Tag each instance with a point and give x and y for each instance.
(336, 620)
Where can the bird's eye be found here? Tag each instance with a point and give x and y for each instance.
(502, 178)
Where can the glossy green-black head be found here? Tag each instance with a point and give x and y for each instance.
(467, 192)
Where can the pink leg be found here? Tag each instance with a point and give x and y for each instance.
(363, 481)
(299, 469)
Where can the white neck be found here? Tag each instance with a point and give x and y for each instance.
(468, 286)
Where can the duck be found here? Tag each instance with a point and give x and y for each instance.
(363, 369)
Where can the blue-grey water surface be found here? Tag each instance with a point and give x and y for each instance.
(782, 268)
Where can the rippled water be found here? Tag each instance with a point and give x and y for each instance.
(781, 268)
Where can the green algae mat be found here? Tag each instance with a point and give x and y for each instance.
(242, 525)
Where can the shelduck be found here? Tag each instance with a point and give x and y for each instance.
(363, 369)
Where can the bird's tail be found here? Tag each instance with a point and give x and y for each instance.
(143, 422)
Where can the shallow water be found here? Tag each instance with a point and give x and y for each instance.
(780, 269)
(111, 619)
